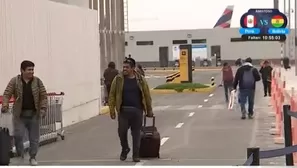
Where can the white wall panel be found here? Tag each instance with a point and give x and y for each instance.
(63, 42)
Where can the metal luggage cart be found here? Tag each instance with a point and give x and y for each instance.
(51, 126)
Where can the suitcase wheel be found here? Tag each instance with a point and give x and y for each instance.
(159, 156)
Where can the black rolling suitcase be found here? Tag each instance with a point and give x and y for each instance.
(150, 141)
(5, 141)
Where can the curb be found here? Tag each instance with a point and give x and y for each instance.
(172, 91)
(104, 110)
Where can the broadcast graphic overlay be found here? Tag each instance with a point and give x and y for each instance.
(263, 25)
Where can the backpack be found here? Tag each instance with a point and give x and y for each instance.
(248, 79)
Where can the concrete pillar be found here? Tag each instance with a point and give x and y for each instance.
(122, 29)
(108, 30)
(113, 33)
(118, 37)
(102, 37)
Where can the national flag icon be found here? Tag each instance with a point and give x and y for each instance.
(250, 21)
(277, 21)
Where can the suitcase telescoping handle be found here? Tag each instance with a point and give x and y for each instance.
(144, 120)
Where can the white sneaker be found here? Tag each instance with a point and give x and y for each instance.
(33, 162)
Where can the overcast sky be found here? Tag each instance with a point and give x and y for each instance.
(191, 14)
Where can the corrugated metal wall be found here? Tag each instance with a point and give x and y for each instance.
(63, 42)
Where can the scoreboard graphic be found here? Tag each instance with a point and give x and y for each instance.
(263, 25)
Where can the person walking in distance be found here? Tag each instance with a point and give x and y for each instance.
(227, 75)
(130, 97)
(246, 77)
(109, 74)
(265, 71)
(30, 104)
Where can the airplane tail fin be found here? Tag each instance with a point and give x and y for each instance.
(225, 20)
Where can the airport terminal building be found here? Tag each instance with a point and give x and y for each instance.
(157, 48)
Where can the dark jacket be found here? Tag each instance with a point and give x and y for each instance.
(266, 73)
(239, 75)
(109, 75)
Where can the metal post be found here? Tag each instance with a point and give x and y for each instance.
(275, 4)
(295, 37)
(288, 134)
(285, 42)
(256, 155)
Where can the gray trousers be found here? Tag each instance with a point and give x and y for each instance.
(21, 126)
(130, 118)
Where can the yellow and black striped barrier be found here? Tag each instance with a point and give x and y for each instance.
(212, 81)
(171, 77)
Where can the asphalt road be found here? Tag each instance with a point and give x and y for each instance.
(196, 129)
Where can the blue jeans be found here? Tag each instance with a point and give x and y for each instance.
(247, 95)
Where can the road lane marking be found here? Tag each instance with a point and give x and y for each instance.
(205, 100)
(210, 95)
(160, 108)
(141, 163)
(188, 107)
(191, 114)
(179, 125)
(163, 140)
(199, 106)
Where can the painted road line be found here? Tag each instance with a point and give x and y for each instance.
(179, 125)
(191, 114)
(205, 100)
(200, 106)
(188, 107)
(160, 108)
(210, 95)
(163, 140)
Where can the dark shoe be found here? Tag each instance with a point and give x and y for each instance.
(136, 159)
(251, 116)
(243, 117)
(124, 154)
(269, 95)
(265, 95)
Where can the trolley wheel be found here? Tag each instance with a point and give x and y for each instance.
(63, 137)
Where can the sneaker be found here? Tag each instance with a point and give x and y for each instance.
(265, 95)
(33, 162)
(124, 154)
(250, 116)
(136, 159)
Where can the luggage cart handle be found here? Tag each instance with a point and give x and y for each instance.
(55, 94)
(144, 120)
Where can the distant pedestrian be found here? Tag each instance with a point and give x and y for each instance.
(266, 71)
(238, 62)
(286, 63)
(227, 80)
(30, 104)
(109, 74)
(246, 77)
(130, 97)
(140, 70)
